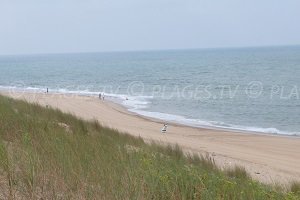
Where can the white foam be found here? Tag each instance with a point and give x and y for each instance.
(210, 124)
(136, 104)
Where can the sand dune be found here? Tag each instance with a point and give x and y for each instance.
(268, 158)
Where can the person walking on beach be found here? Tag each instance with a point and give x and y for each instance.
(100, 96)
(47, 90)
(164, 129)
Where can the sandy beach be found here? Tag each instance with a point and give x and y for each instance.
(267, 158)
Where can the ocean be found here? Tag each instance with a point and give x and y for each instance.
(251, 89)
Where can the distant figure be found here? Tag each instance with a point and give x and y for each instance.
(100, 96)
(103, 97)
(47, 90)
(164, 129)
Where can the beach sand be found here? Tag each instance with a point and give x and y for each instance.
(267, 158)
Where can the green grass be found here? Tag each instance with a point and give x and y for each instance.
(295, 187)
(237, 172)
(46, 154)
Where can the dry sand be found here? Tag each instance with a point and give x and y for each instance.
(268, 158)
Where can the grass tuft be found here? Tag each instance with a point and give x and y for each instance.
(237, 172)
(295, 187)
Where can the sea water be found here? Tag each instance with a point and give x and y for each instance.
(252, 89)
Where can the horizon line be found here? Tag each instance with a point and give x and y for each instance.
(153, 50)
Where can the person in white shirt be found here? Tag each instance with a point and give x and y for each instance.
(164, 129)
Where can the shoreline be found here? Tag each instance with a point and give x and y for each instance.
(269, 158)
(206, 127)
(119, 99)
(174, 123)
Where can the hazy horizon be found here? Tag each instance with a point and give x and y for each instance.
(138, 25)
(153, 50)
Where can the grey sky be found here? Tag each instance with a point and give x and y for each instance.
(49, 26)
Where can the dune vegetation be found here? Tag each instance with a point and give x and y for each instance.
(47, 154)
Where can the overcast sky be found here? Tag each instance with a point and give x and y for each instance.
(53, 26)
